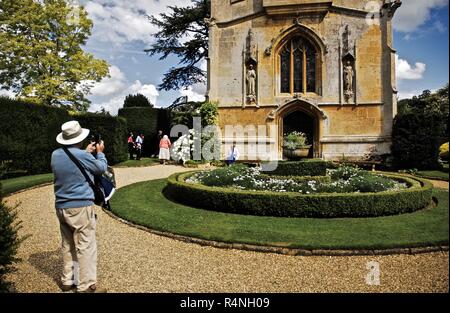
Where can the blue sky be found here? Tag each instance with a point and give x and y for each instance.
(122, 31)
(421, 37)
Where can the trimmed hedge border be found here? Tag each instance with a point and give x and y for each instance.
(289, 204)
(309, 167)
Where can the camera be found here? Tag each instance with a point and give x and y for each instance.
(97, 138)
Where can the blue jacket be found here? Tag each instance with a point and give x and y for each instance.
(71, 188)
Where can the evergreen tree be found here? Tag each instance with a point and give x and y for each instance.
(138, 100)
(175, 28)
(41, 55)
(9, 243)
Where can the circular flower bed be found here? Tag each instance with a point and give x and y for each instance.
(345, 192)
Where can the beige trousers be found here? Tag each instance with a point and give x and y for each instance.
(79, 246)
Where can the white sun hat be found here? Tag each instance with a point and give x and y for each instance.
(72, 133)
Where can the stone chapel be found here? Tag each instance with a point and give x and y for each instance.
(322, 67)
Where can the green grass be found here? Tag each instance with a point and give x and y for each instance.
(141, 163)
(144, 204)
(15, 184)
(438, 175)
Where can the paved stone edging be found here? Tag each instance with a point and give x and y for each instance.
(280, 250)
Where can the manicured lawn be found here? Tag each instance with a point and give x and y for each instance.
(15, 184)
(144, 204)
(141, 163)
(438, 175)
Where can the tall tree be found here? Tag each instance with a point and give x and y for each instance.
(138, 100)
(41, 55)
(182, 32)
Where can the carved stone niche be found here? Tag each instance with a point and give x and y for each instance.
(348, 65)
(251, 70)
(348, 79)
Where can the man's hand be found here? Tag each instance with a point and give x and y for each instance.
(100, 147)
(93, 147)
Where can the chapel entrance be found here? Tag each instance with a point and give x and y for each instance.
(301, 121)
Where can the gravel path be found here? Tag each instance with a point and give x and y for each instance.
(131, 260)
(440, 184)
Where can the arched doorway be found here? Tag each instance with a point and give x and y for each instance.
(305, 117)
(301, 122)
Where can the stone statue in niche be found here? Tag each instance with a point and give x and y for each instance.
(251, 63)
(251, 84)
(348, 79)
(348, 61)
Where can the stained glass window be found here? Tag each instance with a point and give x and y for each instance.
(286, 71)
(298, 66)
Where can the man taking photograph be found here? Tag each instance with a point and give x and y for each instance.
(75, 206)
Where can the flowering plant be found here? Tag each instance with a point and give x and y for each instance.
(295, 140)
(345, 179)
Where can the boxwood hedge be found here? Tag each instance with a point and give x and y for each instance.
(264, 203)
(28, 132)
(309, 167)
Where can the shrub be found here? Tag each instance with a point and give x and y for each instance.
(295, 140)
(301, 179)
(345, 172)
(147, 121)
(443, 152)
(209, 112)
(223, 176)
(310, 167)
(9, 243)
(265, 203)
(28, 134)
(183, 114)
(416, 138)
(345, 181)
(113, 131)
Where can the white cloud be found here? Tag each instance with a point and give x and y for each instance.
(116, 102)
(112, 85)
(409, 72)
(414, 13)
(119, 21)
(408, 94)
(194, 93)
(7, 93)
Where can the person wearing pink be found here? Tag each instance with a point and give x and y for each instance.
(131, 146)
(164, 149)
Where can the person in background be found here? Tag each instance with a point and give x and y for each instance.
(158, 138)
(164, 149)
(75, 207)
(233, 155)
(139, 143)
(131, 146)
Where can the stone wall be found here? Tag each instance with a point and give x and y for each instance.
(361, 122)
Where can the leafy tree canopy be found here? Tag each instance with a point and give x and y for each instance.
(184, 33)
(427, 102)
(41, 55)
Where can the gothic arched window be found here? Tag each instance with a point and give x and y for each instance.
(298, 61)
